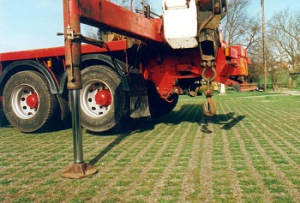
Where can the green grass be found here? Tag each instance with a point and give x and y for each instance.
(248, 152)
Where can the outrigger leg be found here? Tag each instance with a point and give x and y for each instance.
(79, 168)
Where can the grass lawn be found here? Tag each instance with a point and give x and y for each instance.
(248, 152)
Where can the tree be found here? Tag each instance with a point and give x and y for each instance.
(277, 69)
(284, 39)
(239, 27)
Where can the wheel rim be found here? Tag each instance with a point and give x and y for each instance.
(25, 101)
(96, 99)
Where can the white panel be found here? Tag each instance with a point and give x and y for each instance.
(180, 23)
(175, 4)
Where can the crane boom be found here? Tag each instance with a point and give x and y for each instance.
(103, 13)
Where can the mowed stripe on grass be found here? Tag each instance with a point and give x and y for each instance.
(248, 152)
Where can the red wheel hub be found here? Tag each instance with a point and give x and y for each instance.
(32, 100)
(103, 98)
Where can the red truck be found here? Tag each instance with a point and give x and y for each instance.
(138, 72)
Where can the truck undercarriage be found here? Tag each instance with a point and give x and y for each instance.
(137, 75)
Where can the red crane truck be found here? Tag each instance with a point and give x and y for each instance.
(139, 73)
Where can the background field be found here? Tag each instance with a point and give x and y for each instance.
(248, 152)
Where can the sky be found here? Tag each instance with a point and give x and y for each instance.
(33, 24)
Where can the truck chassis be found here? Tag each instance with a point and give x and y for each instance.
(136, 75)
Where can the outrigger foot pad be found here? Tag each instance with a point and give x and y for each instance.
(79, 170)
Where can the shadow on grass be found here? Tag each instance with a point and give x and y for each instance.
(107, 149)
(227, 121)
(133, 126)
(232, 122)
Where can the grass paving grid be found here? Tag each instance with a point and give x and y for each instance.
(248, 152)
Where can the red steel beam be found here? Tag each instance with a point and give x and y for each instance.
(118, 19)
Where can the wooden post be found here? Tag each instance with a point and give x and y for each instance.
(264, 44)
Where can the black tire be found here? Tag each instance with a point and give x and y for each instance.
(27, 102)
(108, 114)
(159, 106)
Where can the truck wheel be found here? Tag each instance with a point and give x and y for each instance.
(158, 106)
(27, 102)
(102, 99)
(161, 107)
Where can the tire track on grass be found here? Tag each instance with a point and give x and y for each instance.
(156, 191)
(103, 172)
(150, 165)
(274, 146)
(237, 194)
(104, 192)
(277, 116)
(266, 194)
(25, 188)
(273, 119)
(273, 109)
(188, 184)
(206, 185)
(291, 189)
(145, 168)
(279, 149)
(279, 174)
(76, 190)
(157, 188)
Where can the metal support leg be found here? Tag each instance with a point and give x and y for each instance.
(77, 137)
(78, 169)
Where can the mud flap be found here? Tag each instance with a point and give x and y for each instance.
(139, 105)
